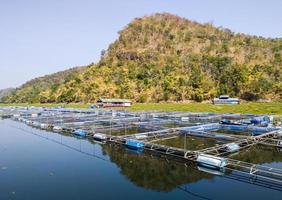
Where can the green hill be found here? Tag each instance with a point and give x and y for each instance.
(31, 91)
(164, 57)
(5, 92)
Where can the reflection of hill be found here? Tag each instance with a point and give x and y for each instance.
(153, 173)
(192, 143)
(259, 154)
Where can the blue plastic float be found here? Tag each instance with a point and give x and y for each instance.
(134, 144)
(80, 132)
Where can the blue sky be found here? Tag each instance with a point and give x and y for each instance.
(40, 37)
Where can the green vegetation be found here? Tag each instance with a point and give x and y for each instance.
(162, 58)
(69, 105)
(5, 92)
(31, 91)
(153, 173)
(259, 155)
(245, 108)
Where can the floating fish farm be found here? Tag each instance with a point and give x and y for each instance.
(208, 140)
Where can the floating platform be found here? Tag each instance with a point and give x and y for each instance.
(202, 138)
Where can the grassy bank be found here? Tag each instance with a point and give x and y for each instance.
(254, 108)
(71, 105)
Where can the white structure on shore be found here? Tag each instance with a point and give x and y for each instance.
(225, 99)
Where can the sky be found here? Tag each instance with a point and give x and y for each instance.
(40, 37)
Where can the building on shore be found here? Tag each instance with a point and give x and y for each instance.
(225, 99)
(107, 103)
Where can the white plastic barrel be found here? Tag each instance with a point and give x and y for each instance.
(232, 147)
(99, 136)
(211, 161)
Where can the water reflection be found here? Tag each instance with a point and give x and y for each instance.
(191, 142)
(125, 131)
(259, 154)
(61, 163)
(152, 172)
(143, 170)
(231, 132)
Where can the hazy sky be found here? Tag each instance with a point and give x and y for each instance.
(39, 37)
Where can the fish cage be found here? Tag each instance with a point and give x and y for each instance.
(259, 154)
(211, 140)
(188, 142)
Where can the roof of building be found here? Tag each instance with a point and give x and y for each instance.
(224, 97)
(229, 99)
(114, 100)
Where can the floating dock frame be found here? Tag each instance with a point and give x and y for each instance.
(94, 123)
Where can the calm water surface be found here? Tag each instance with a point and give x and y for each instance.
(39, 165)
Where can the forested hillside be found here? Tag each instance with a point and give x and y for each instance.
(31, 91)
(5, 92)
(163, 57)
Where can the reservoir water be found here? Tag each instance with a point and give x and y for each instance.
(39, 165)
